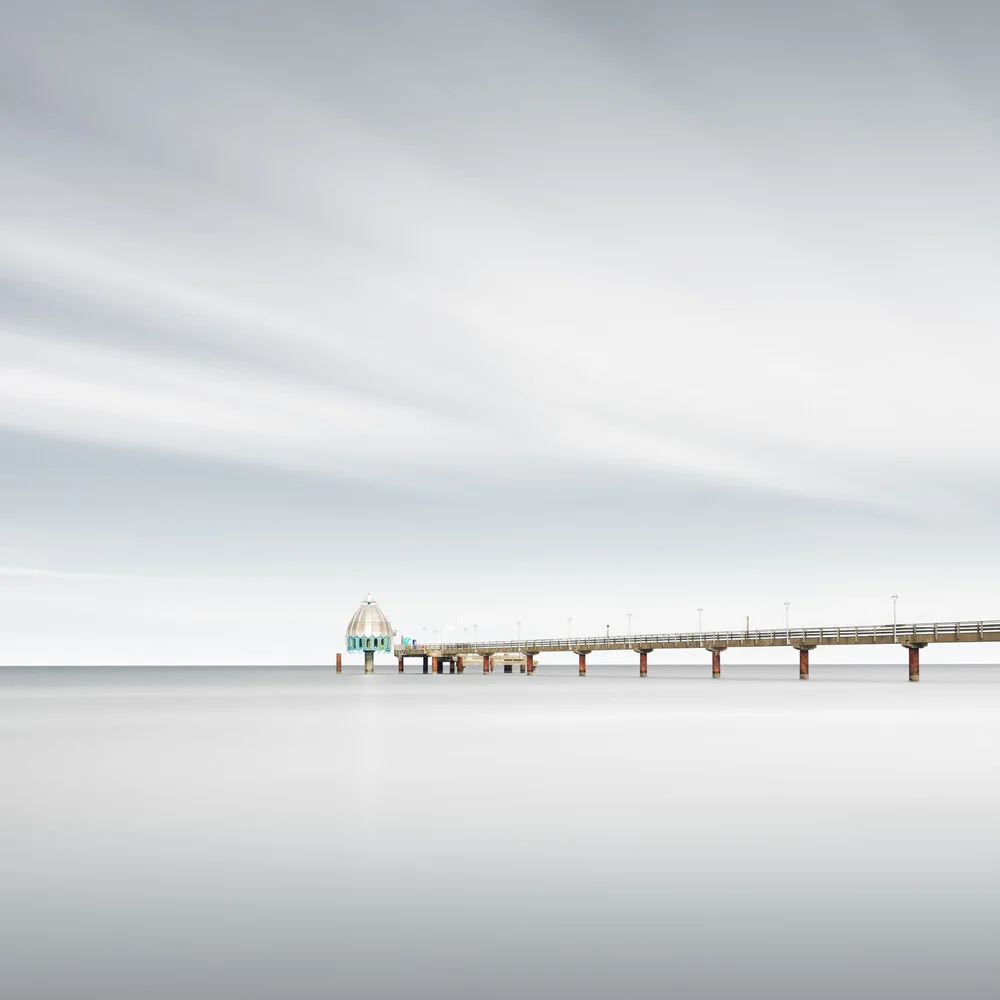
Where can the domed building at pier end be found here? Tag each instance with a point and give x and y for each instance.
(369, 630)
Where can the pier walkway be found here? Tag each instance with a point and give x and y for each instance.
(912, 637)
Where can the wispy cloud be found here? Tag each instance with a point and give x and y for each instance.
(460, 249)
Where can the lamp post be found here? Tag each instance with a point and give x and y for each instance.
(895, 597)
(788, 637)
(569, 629)
(519, 636)
(475, 636)
(700, 632)
(607, 634)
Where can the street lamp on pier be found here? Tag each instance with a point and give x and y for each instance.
(700, 632)
(629, 617)
(788, 637)
(519, 635)
(895, 597)
(569, 629)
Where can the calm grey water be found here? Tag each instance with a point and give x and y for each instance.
(290, 833)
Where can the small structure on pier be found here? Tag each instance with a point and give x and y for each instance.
(369, 630)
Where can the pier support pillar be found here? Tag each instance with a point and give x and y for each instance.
(369, 661)
(460, 665)
(435, 665)
(914, 650)
(339, 664)
(451, 666)
(583, 664)
(402, 661)
(642, 662)
(716, 652)
(804, 652)
(425, 664)
(508, 668)
(524, 666)
(486, 663)
(530, 661)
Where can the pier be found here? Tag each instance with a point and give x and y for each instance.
(912, 638)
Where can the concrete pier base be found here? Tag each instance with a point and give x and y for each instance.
(914, 651)
(804, 652)
(716, 652)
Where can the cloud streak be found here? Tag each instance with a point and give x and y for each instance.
(461, 250)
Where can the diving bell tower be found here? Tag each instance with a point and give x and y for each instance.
(369, 630)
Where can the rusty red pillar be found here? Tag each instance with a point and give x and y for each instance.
(425, 664)
(451, 666)
(530, 660)
(401, 661)
(642, 663)
(716, 662)
(803, 664)
(486, 663)
(583, 664)
(460, 665)
(914, 651)
(435, 665)
(339, 665)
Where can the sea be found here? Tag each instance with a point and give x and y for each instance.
(264, 832)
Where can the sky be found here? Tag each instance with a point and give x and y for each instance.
(505, 312)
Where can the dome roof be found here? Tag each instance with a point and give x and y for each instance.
(369, 619)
